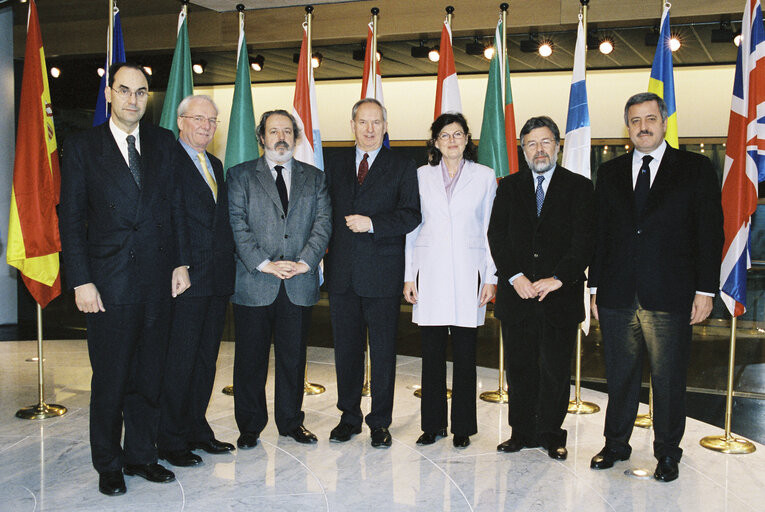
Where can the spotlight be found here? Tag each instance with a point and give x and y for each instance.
(147, 69)
(361, 54)
(434, 55)
(530, 45)
(198, 67)
(420, 52)
(475, 48)
(652, 38)
(674, 43)
(488, 52)
(546, 49)
(316, 60)
(55, 72)
(737, 39)
(606, 46)
(257, 62)
(724, 34)
(100, 71)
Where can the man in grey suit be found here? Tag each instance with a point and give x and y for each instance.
(280, 216)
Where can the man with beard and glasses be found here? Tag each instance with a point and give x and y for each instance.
(654, 275)
(541, 236)
(280, 216)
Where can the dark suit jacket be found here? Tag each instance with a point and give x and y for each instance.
(371, 264)
(557, 243)
(211, 241)
(672, 249)
(124, 240)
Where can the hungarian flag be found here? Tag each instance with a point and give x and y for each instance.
(241, 145)
(497, 146)
(33, 240)
(447, 90)
(102, 112)
(304, 110)
(181, 81)
(662, 81)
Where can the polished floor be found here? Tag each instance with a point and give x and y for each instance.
(45, 465)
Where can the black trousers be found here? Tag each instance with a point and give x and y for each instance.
(189, 373)
(538, 365)
(433, 406)
(254, 328)
(127, 346)
(351, 316)
(627, 334)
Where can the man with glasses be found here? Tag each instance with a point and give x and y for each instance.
(125, 254)
(198, 314)
(541, 236)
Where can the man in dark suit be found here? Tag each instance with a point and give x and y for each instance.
(198, 314)
(654, 275)
(280, 215)
(125, 254)
(375, 203)
(540, 234)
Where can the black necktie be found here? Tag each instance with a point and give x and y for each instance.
(281, 187)
(363, 169)
(643, 184)
(134, 160)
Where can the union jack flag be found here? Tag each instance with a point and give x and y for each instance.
(744, 157)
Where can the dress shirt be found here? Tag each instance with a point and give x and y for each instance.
(120, 137)
(193, 155)
(371, 155)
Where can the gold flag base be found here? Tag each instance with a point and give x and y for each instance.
(418, 393)
(366, 389)
(644, 420)
(40, 411)
(496, 397)
(228, 390)
(729, 444)
(580, 407)
(309, 388)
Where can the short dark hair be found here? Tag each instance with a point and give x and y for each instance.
(642, 97)
(132, 65)
(540, 122)
(264, 118)
(445, 119)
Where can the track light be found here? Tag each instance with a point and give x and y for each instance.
(257, 62)
(546, 49)
(674, 43)
(148, 70)
(475, 48)
(316, 60)
(606, 46)
(488, 52)
(724, 34)
(420, 52)
(55, 72)
(198, 67)
(737, 39)
(530, 45)
(100, 71)
(361, 54)
(434, 55)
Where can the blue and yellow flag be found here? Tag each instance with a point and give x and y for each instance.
(662, 81)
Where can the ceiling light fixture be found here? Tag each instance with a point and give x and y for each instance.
(606, 46)
(148, 70)
(198, 67)
(546, 49)
(434, 55)
(316, 60)
(488, 52)
(257, 62)
(674, 43)
(100, 71)
(55, 72)
(420, 52)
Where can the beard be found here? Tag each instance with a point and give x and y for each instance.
(275, 155)
(541, 165)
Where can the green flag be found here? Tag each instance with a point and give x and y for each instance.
(180, 84)
(242, 145)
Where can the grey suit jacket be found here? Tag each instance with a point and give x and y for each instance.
(263, 232)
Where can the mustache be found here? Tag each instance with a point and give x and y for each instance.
(283, 144)
(645, 132)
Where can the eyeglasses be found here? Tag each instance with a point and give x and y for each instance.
(456, 136)
(202, 119)
(545, 143)
(125, 93)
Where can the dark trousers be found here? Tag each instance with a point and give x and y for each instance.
(189, 373)
(538, 363)
(433, 405)
(254, 328)
(127, 346)
(666, 337)
(351, 316)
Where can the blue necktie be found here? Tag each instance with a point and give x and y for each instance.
(540, 194)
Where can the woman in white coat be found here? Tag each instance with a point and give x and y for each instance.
(449, 274)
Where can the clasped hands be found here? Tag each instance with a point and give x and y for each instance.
(487, 293)
(285, 269)
(536, 290)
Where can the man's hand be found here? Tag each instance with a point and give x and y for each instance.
(524, 288)
(487, 293)
(181, 281)
(410, 292)
(545, 286)
(88, 299)
(594, 307)
(299, 268)
(358, 223)
(702, 307)
(280, 269)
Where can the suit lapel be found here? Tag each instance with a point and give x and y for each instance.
(114, 165)
(266, 180)
(663, 180)
(466, 176)
(376, 172)
(526, 192)
(297, 181)
(555, 188)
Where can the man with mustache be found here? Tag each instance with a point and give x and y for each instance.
(541, 236)
(280, 216)
(654, 275)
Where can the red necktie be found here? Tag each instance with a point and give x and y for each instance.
(363, 169)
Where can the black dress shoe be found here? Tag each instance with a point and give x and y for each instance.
(111, 483)
(461, 441)
(606, 457)
(247, 440)
(151, 472)
(431, 437)
(514, 444)
(301, 435)
(343, 432)
(557, 452)
(380, 437)
(666, 470)
(181, 458)
(213, 446)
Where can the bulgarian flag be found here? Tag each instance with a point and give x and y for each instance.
(447, 90)
(33, 240)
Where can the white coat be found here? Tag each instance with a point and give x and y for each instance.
(447, 255)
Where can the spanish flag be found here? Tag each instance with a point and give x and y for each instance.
(33, 240)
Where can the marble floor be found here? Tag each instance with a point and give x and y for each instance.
(45, 465)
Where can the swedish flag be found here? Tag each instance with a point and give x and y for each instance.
(662, 81)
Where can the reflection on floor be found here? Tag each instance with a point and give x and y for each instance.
(46, 464)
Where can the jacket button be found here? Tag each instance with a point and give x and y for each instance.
(135, 228)
(282, 217)
(281, 256)
(286, 236)
(639, 231)
(536, 255)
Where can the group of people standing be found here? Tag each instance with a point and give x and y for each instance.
(141, 211)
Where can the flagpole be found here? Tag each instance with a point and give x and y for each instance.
(503, 7)
(373, 74)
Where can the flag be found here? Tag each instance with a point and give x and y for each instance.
(497, 146)
(33, 240)
(102, 112)
(576, 147)
(371, 87)
(662, 81)
(181, 82)
(242, 142)
(447, 89)
(304, 110)
(744, 158)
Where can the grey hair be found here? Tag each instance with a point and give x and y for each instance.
(183, 106)
(642, 98)
(362, 101)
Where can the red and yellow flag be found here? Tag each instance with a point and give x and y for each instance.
(33, 239)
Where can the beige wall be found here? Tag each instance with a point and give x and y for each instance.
(703, 101)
